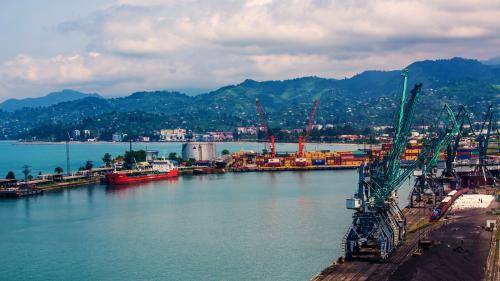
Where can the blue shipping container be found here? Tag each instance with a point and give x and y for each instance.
(318, 162)
(463, 157)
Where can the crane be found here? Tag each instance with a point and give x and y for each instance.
(482, 174)
(303, 141)
(483, 139)
(451, 127)
(378, 225)
(263, 125)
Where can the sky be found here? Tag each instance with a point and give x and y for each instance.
(116, 47)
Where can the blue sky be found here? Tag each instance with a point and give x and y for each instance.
(115, 47)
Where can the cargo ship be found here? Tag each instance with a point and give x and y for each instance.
(144, 172)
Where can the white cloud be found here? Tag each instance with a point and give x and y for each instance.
(148, 44)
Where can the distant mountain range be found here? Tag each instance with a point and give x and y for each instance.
(368, 98)
(50, 99)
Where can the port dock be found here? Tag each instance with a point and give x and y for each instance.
(294, 168)
(462, 248)
(12, 188)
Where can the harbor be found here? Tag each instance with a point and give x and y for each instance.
(234, 216)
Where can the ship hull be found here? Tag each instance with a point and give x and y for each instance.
(123, 178)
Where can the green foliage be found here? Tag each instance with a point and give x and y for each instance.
(10, 175)
(107, 159)
(58, 170)
(190, 162)
(225, 152)
(172, 156)
(363, 100)
(132, 157)
(89, 165)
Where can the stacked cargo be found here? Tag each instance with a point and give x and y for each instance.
(493, 147)
(347, 158)
(359, 157)
(474, 154)
(464, 153)
(318, 162)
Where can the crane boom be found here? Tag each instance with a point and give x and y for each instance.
(311, 120)
(484, 139)
(303, 141)
(262, 120)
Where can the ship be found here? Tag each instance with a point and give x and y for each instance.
(144, 172)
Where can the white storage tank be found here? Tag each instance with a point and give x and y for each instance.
(200, 151)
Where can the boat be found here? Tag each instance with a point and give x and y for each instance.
(144, 172)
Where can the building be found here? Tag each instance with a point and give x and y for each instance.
(173, 135)
(220, 136)
(86, 133)
(247, 130)
(75, 134)
(317, 127)
(144, 139)
(151, 155)
(117, 137)
(350, 137)
(200, 151)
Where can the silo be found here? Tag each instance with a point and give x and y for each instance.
(200, 151)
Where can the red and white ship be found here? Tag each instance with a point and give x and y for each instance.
(149, 171)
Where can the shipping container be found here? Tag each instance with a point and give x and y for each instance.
(318, 162)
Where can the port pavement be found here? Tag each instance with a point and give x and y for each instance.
(463, 250)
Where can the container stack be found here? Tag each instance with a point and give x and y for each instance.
(464, 153)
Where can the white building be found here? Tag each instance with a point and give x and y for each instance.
(247, 130)
(173, 135)
(117, 137)
(75, 134)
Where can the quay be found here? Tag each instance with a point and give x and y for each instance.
(13, 188)
(462, 248)
(293, 168)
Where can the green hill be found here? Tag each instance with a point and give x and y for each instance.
(368, 98)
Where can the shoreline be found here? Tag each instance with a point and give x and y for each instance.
(15, 142)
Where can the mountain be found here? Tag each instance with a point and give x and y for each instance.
(366, 99)
(50, 99)
(492, 61)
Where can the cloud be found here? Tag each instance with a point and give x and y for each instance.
(147, 44)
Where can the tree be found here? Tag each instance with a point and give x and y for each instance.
(89, 165)
(26, 172)
(58, 170)
(172, 156)
(132, 157)
(107, 159)
(81, 168)
(225, 152)
(10, 176)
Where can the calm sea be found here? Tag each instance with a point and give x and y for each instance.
(251, 226)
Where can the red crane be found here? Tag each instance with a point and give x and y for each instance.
(308, 130)
(261, 117)
(264, 126)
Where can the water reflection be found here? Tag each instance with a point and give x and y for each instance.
(124, 189)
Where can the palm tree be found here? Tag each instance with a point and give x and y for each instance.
(58, 170)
